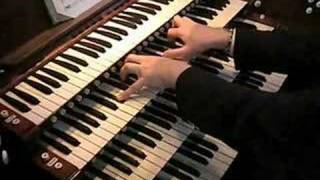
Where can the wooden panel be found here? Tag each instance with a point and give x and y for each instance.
(287, 13)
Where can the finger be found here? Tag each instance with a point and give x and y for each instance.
(134, 88)
(174, 33)
(133, 58)
(129, 68)
(178, 53)
(177, 21)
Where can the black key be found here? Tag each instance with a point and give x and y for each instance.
(99, 41)
(165, 42)
(99, 173)
(146, 131)
(198, 139)
(85, 51)
(130, 19)
(212, 63)
(149, 5)
(124, 23)
(107, 94)
(181, 165)
(198, 148)
(117, 152)
(133, 134)
(255, 75)
(217, 54)
(207, 13)
(155, 120)
(160, 113)
(42, 88)
(25, 96)
(92, 46)
(143, 9)
(55, 74)
(65, 150)
(242, 25)
(175, 172)
(115, 29)
(136, 15)
(157, 47)
(246, 84)
(192, 155)
(166, 2)
(51, 82)
(168, 96)
(164, 107)
(205, 67)
(116, 164)
(130, 149)
(197, 20)
(66, 65)
(109, 34)
(83, 117)
(219, 5)
(75, 60)
(118, 84)
(75, 124)
(247, 78)
(64, 136)
(91, 111)
(17, 104)
(103, 101)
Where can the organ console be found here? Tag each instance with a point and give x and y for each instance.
(59, 85)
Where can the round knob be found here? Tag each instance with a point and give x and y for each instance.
(262, 16)
(309, 10)
(5, 157)
(318, 4)
(310, 1)
(257, 3)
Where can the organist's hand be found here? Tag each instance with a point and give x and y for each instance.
(196, 38)
(152, 71)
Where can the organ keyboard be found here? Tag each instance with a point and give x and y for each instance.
(82, 131)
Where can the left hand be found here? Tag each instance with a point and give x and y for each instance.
(152, 71)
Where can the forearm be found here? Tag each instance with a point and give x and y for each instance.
(234, 113)
(269, 51)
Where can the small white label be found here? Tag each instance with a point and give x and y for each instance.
(45, 156)
(58, 165)
(4, 113)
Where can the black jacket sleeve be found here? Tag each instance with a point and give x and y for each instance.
(279, 52)
(276, 127)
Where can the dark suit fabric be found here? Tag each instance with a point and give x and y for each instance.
(277, 134)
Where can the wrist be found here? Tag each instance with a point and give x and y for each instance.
(221, 39)
(176, 72)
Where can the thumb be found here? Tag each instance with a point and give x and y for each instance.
(134, 88)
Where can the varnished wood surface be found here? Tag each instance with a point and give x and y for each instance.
(286, 13)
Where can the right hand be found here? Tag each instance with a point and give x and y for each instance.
(152, 71)
(196, 38)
